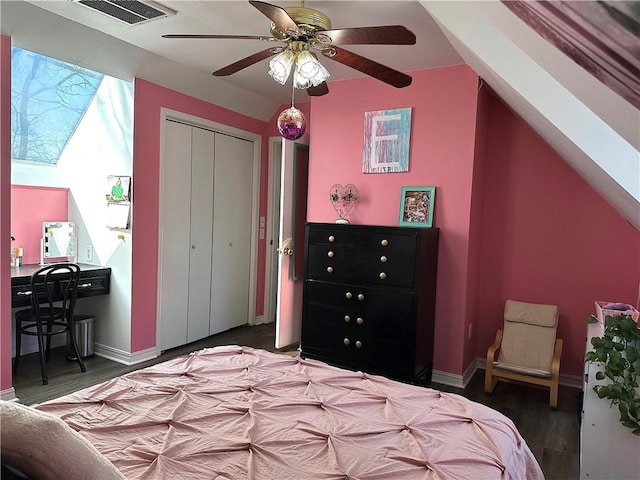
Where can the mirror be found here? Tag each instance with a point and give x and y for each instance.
(58, 239)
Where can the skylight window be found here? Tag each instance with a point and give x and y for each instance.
(48, 100)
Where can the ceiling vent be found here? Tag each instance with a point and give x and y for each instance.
(131, 12)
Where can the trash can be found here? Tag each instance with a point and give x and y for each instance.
(84, 330)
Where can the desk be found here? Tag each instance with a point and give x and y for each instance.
(94, 280)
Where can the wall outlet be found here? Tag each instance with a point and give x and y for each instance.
(470, 331)
(88, 253)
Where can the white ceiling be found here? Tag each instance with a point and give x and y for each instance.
(239, 17)
(595, 130)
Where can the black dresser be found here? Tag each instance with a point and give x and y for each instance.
(369, 298)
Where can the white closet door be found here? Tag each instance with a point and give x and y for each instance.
(174, 260)
(232, 233)
(202, 162)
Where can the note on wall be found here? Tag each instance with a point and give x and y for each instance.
(119, 201)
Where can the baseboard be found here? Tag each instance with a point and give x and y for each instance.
(123, 357)
(461, 381)
(455, 380)
(572, 381)
(8, 395)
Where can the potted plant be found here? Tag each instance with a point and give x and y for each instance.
(618, 350)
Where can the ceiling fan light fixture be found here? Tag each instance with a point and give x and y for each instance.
(304, 78)
(280, 66)
(308, 71)
(306, 65)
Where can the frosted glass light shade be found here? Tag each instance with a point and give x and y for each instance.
(309, 71)
(291, 123)
(306, 64)
(280, 66)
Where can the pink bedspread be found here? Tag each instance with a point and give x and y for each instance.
(240, 413)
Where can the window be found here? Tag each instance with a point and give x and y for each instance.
(48, 99)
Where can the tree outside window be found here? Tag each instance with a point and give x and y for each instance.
(48, 99)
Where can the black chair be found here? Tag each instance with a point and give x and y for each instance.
(56, 283)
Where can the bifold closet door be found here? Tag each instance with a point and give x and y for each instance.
(201, 232)
(232, 233)
(175, 231)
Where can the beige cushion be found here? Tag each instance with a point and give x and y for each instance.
(529, 337)
(44, 447)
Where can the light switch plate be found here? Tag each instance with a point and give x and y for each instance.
(88, 253)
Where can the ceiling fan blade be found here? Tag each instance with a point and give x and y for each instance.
(277, 15)
(383, 35)
(241, 37)
(244, 63)
(374, 69)
(318, 91)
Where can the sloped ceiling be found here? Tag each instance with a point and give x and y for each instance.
(596, 130)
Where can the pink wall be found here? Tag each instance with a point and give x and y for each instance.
(442, 154)
(30, 206)
(5, 200)
(148, 100)
(476, 226)
(548, 237)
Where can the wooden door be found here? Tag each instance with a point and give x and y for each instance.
(289, 306)
(232, 233)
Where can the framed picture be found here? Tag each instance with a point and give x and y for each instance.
(386, 141)
(416, 206)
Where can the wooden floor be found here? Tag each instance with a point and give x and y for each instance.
(552, 436)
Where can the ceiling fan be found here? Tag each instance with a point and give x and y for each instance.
(304, 31)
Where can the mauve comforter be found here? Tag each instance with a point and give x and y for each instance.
(240, 413)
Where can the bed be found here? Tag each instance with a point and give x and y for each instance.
(235, 412)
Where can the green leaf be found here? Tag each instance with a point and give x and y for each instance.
(619, 351)
(624, 411)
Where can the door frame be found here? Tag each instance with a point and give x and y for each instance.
(168, 114)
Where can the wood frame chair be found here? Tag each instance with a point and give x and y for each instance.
(527, 347)
(44, 320)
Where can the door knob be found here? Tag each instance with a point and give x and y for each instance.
(193, 247)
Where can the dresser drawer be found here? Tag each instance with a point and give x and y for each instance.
(21, 294)
(357, 265)
(384, 311)
(94, 282)
(357, 346)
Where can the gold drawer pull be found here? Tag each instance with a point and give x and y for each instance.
(347, 318)
(383, 259)
(330, 254)
(360, 320)
(382, 275)
(384, 242)
(358, 344)
(332, 239)
(349, 295)
(360, 297)
(329, 269)
(346, 341)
